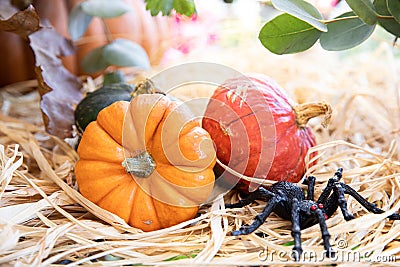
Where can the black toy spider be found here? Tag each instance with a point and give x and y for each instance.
(288, 201)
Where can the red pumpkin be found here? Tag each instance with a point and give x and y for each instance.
(258, 132)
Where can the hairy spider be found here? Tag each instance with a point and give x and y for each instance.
(288, 201)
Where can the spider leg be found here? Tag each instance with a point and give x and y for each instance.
(329, 187)
(327, 191)
(340, 190)
(310, 182)
(297, 250)
(260, 218)
(325, 234)
(369, 206)
(259, 193)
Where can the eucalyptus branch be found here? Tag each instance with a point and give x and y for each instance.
(117, 52)
(339, 19)
(384, 17)
(301, 25)
(353, 17)
(107, 31)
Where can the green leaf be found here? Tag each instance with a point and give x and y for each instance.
(184, 7)
(94, 61)
(78, 22)
(346, 33)
(302, 10)
(120, 52)
(286, 34)
(157, 6)
(394, 9)
(105, 8)
(184, 256)
(125, 53)
(364, 9)
(288, 244)
(389, 24)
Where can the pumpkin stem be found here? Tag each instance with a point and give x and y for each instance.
(141, 165)
(304, 112)
(145, 87)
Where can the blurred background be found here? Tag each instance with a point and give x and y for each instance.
(224, 32)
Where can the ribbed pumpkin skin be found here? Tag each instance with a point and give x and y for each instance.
(103, 180)
(291, 141)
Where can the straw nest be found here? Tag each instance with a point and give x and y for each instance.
(45, 221)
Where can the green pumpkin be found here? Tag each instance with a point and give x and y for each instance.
(94, 102)
(114, 89)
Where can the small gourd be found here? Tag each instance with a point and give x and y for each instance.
(258, 131)
(147, 161)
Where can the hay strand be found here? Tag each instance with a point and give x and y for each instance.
(44, 220)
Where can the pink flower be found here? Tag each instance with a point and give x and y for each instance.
(184, 48)
(334, 2)
(198, 30)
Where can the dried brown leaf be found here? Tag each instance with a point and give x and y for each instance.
(59, 89)
(22, 23)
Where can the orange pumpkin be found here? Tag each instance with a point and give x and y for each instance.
(147, 161)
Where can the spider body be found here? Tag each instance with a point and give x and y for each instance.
(288, 191)
(288, 201)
